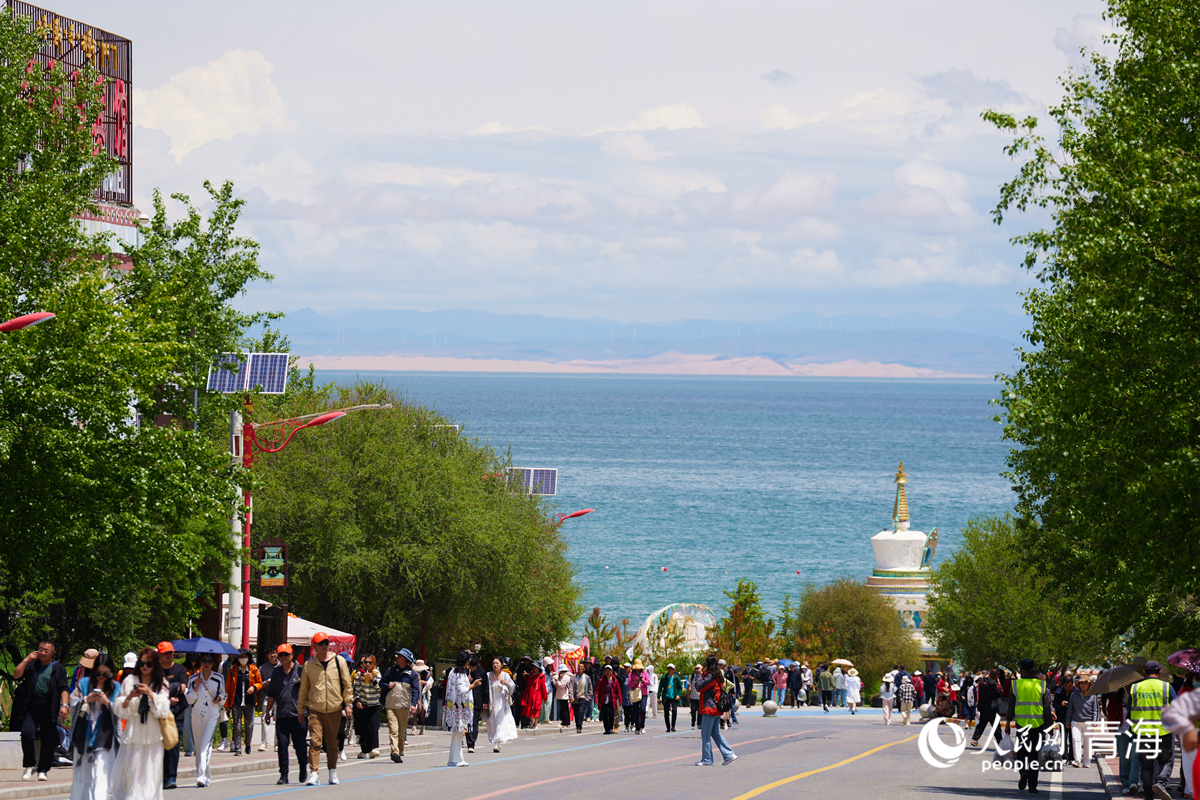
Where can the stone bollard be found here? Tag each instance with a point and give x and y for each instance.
(769, 708)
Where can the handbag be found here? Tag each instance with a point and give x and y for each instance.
(635, 696)
(170, 732)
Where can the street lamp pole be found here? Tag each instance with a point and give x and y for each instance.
(268, 437)
(559, 519)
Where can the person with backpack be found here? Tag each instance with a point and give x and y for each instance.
(326, 696)
(987, 701)
(714, 701)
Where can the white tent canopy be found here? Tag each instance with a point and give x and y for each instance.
(300, 631)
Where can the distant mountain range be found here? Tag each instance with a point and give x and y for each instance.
(978, 340)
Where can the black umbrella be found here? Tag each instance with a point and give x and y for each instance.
(202, 644)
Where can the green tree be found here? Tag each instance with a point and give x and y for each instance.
(850, 620)
(1103, 412)
(744, 633)
(600, 633)
(989, 608)
(397, 535)
(111, 526)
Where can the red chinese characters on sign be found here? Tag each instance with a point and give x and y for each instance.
(120, 110)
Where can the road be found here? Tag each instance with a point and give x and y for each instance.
(799, 753)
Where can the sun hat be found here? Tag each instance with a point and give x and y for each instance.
(721, 662)
(420, 665)
(130, 660)
(887, 678)
(547, 661)
(320, 636)
(89, 658)
(918, 672)
(670, 666)
(907, 679)
(955, 688)
(853, 673)
(283, 648)
(637, 664)
(404, 651)
(163, 647)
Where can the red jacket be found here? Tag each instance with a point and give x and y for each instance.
(608, 687)
(534, 696)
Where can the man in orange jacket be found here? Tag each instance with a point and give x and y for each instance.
(242, 689)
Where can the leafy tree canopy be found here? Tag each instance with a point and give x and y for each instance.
(744, 633)
(397, 534)
(111, 527)
(989, 608)
(1103, 412)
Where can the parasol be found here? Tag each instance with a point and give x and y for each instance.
(842, 662)
(1187, 659)
(204, 645)
(1116, 678)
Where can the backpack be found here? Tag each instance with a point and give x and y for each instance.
(724, 699)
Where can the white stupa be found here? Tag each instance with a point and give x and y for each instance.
(902, 558)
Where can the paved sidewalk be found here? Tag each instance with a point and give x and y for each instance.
(1109, 775)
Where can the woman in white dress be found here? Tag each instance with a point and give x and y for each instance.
(501, 725)
(94, 730)
(853, 689)
(206, 696)
(460, 707)
(143, 702)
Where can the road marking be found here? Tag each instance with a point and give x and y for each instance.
(577, 775)
(784, 781)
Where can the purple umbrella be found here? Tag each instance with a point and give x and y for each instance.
(1188, 658)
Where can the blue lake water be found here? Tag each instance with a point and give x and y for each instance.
(780, 480)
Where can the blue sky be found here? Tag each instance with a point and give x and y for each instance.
(634, 160)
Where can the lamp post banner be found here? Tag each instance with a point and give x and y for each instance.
(272, 562)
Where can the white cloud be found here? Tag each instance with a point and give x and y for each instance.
(821, 268)
(1086, 31)
(410, 175)
(889, 273)
(676, 116)
(778, 118)
(632, 147)
(227, 97)
(494, 128)
(668, 183)
(793, 193)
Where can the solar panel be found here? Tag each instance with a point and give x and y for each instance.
(535, 481)
(268, 371)
(222, 376)
(544, 481)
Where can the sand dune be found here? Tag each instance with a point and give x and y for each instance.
(671, 363)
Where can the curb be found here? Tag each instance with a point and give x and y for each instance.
(186, 774)
(1113, 787)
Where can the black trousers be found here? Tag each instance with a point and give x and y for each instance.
(582, 711)
(564, 712)
(171, 759)
(1028, 742)
(39, 721)
(637, 715)
(670, 712)
(695, 706)
(289, 730)
(986, 717)
(473, 732)
(608, 715)
(1157, 768)
(366, 724)
(826, 698)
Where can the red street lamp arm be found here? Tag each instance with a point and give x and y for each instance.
(321, 420)
(559, 519)
(26, 321)
(276, 440)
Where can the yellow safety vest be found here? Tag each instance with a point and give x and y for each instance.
(1027, 694)
(1148, 698)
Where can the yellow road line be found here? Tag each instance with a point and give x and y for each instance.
(811, 772)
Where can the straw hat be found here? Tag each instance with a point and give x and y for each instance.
(853, 673)
(420, 665)
(637, 664)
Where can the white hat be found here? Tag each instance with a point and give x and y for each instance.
(670, 666)
(721, 663)
(130, 660)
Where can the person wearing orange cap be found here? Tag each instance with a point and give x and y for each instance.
(176, 677)
(326, 695)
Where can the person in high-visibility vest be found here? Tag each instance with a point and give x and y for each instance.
(1155, 745)
(1030, 710)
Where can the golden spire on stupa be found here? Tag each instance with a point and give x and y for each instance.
(900, 510)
